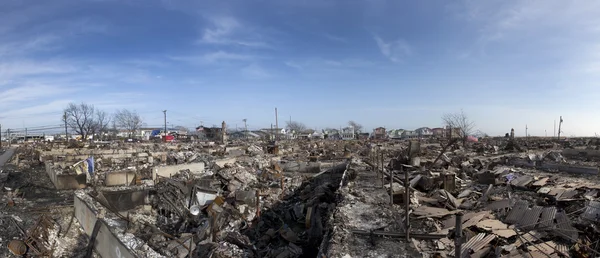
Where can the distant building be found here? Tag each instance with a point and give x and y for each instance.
(379, 133)
(453, 133)
(348, 133)
(424, 132)
(438, 132)
(395, 134)
(241, 135)
(410, 135)
(210, 133)
(332, 134)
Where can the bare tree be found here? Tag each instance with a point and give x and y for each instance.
(101, 121)
(357, 127)
(459, 122)
(128, 120)
(296, 126)
(80, 118)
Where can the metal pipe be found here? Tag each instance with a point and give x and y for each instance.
(391, 187)
(406, 202)
(458, 236)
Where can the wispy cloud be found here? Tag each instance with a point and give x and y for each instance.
(214, 57)
(255, 71)
(396, 51)
(320, 63)
(10, 70)
(227, 30)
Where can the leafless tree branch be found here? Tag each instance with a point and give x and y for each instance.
(460, 122)
(128, 120)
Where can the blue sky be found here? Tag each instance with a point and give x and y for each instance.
(398, 64)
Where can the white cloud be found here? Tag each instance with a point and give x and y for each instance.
(214, 57)
(10, 70)
(228, 31)
(396, 51)
(320, 63)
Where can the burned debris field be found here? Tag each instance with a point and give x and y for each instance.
(498, 197)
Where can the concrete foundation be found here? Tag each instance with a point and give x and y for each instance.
(108, 243)
(126, 199)
(65, 182)
(168, 171)
(117, 178)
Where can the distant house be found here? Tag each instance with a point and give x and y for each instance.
(438, 132)
(424, 132)
(410, 134)
(241, 135)
(379, 133)
(332, 134)
(210, 133)
(395, 133)
(453, 132)
(348, 133)
(363, 136)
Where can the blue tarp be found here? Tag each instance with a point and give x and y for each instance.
(155, 132)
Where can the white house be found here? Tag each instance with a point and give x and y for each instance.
(424, 132)
(348, 133)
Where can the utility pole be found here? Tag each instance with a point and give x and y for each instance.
(66, 132)
(165, 113)
(276, 125)
(0, 136)
(526, 134)
(559, 126)
(554, 133)
(245, 128)
(25, 140)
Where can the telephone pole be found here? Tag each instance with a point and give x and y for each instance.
(559, 125)
(276, 125)
(165, 113)
(0, 136)
(245, 128)
(66, 133)
(526, 134)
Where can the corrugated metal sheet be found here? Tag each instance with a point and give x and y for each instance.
(467, 246)
(564, 229)
(548, 215)
(530, 218)
(483, 243)
(522, 181)
(592, 211)
(563, 249)
(568, 194)
(516, 212)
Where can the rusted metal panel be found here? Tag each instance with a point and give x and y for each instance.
(530, 218)
(564, 229)
(516, 213)
(548, 215)
(592, 211)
